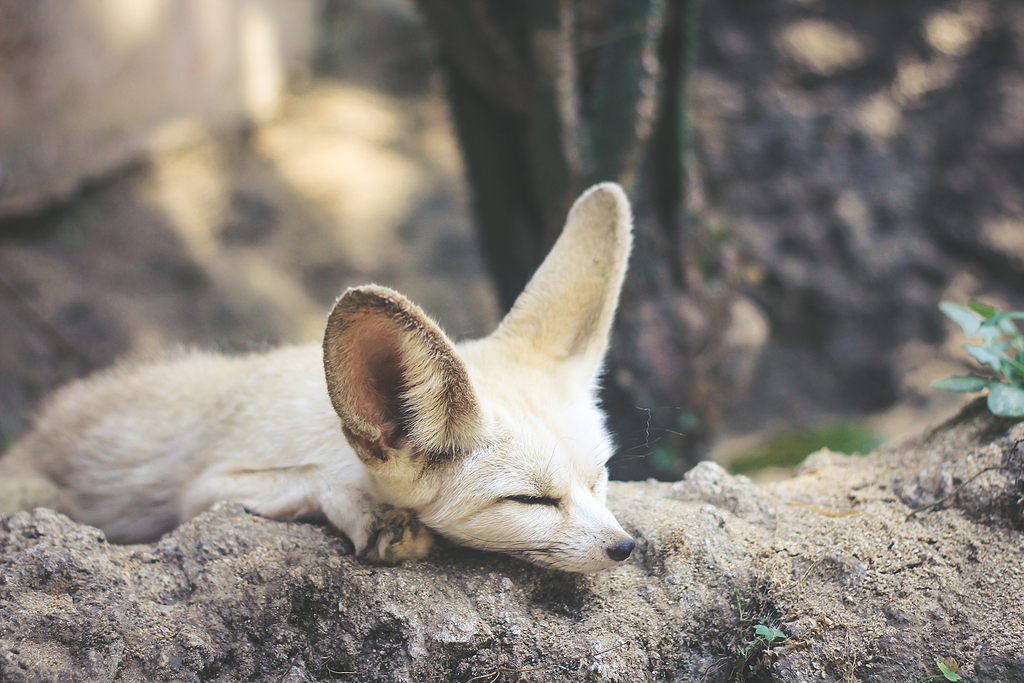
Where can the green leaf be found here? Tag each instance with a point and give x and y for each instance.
(986, 356)
(964, 317)
(948, 672)
(1006, 400)
(963, 385)
(984, 310)
(768, 633)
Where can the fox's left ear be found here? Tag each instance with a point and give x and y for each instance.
(395, 378)
(564, 315)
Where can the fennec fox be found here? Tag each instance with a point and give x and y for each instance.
(496, 444)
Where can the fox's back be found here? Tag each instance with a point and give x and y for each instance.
(123, 444)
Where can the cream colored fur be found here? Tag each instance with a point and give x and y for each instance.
(496, 443)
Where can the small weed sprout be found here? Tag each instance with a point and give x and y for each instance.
(1001, 348)
(948, 670)
(754, 658)
(769, 633)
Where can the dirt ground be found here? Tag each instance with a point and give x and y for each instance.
(855, 584)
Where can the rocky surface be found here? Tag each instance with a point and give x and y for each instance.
(828, 557)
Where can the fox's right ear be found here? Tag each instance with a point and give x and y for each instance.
(395, 378)
(563, 318)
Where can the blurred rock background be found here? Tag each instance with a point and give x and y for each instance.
(215, 173)
(868, 157)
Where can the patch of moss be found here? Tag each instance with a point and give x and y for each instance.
(789, 448)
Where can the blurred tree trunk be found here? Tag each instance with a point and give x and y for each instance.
(551, 96)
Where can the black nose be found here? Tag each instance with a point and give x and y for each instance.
(621, 550)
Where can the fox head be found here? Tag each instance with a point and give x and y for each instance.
(498, 443)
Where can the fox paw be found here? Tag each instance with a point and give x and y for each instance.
(398, 535)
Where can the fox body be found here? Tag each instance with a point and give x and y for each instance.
(388, 429)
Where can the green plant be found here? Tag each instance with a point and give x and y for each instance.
(948, 670)
(1001, 348)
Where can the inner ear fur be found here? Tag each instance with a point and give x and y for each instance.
(394, 378)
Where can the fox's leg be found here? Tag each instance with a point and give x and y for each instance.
(378, 533)
(285, 493)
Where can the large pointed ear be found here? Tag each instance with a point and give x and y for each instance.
(394, 379)
(566, 311)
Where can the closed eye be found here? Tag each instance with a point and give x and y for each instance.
(534, 500)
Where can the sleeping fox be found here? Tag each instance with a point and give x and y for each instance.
(389, 430)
